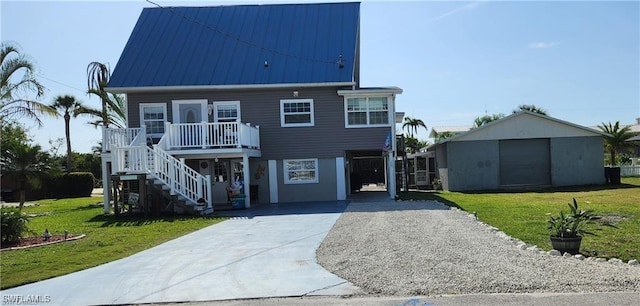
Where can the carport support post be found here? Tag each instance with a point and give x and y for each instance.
(106, 184)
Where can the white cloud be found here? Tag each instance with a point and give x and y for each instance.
(468, 6)
(543, 45)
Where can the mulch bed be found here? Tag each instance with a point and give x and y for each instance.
(28, 242)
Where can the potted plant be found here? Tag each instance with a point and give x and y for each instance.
(436, 183)
(566, 230)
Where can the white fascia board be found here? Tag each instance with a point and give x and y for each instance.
(222, 87)
(385, 90)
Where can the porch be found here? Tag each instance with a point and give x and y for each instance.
(165, 160)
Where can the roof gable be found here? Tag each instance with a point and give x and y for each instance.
(525, 125)
(240, 45)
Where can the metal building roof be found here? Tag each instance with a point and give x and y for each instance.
(240, 45)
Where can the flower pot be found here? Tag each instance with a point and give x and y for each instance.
(569, 245)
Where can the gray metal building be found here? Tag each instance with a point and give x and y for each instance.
(522, 150)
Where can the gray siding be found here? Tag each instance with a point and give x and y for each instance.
(577, 161)
(260, 179)
(328, 138)
(473, 165)
(324, 190)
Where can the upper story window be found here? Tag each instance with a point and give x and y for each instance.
(366, 111)
(227, 111)
(153, 116)
(296, 112)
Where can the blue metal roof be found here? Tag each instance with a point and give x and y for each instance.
(229, 45)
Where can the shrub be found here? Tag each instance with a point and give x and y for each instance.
(14, 224)
(76, 184)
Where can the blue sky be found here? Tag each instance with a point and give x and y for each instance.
(455, 60)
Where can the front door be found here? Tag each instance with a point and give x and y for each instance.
(189, 111)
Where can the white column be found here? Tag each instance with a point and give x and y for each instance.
(209, 190)
(391, 165)
(341, 184)
(273, 181)
(106, 190)
(247, 175)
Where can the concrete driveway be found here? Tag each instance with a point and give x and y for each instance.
(269, 251)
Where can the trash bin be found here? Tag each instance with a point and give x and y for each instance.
(607, 175)
(238, 201)
(615, 175)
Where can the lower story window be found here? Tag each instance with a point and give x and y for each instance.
(300, 171)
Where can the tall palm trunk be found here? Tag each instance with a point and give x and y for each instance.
(67, 118)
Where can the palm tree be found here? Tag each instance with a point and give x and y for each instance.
(25, 164)
(412, 125)
(531, 108)
(482, 120)
(116, 111)
(17, 79)
(97, 79)
(617, 141)
(68, 105)
(443, 135)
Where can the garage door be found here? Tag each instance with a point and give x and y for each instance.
(525, 162)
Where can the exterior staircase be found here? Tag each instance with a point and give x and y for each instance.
(186, 189)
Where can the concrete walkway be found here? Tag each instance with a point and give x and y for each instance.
(268, 251)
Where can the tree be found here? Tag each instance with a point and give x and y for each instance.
(26, 164)
(531, 108)
(116, 110)
(617, 139)
(69, 106)
(17, 82)
(443, 135)
(97, 79)
(13, 135)
(482, 120)
(412, 125)
(413, 145)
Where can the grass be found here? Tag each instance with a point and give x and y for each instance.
(108, 239)
(524, 215)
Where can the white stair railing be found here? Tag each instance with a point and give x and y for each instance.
(137, 157)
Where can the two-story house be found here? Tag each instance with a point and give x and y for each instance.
(263, 95)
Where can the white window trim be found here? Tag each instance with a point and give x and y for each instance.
(175, 108)
(217, 103)
(390, 115)
(141, 108)
(282, 115)
(285, 172)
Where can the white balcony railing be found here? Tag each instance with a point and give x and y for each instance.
(209, 135)
(114, 138)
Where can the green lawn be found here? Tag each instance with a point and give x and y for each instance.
(108, 238)
(524, 215)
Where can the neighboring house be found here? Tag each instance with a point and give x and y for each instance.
(522, 150)
(265, 95)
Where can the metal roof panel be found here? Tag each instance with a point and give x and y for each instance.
(228, 45)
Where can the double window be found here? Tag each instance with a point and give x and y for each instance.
(367, 111)
(296, 112)
(300, 171)
(153, 117)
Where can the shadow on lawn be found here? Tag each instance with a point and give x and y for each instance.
(428, 196)
(124, 221)
(555, 189)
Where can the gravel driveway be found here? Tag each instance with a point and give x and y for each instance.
(426, 248)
